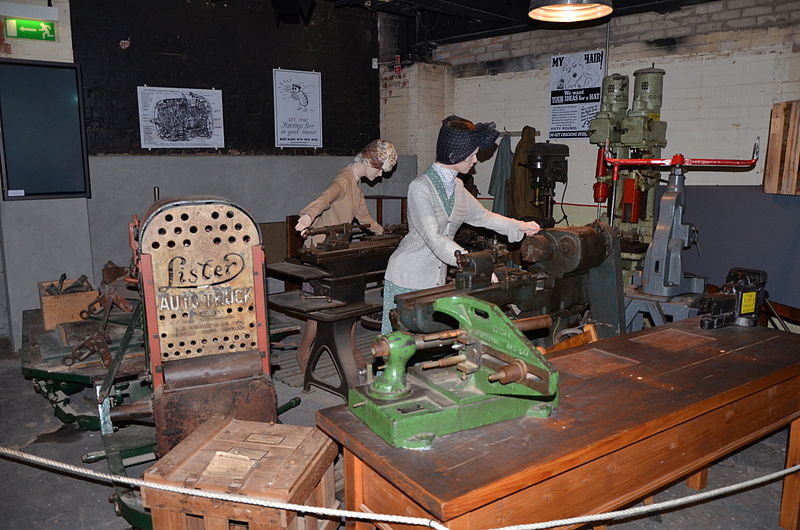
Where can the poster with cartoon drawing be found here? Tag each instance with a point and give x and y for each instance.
(575, 84)
(298, 108)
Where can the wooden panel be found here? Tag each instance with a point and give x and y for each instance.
(698, 481)
(647, 465)
(782, 166)
(673, 340)
(790, 507)
(381, 497)
(593, 362)
(169, 519)
(354, 489)
(63, 307)
(273, 236)
(285, 463)
(628, 474)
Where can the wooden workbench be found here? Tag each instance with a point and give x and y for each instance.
(636, 413)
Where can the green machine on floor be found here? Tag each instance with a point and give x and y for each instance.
(494, 374)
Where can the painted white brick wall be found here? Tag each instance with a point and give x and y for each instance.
(413, 105)
(725, 68)
(715, 107)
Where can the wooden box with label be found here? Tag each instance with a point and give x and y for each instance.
(285, 463)
(63, 307)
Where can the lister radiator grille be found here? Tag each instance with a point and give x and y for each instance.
(203, 279)
(201, 272)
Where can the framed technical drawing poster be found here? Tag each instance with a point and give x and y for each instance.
(180, 118)
(575, 86)
(298, 108)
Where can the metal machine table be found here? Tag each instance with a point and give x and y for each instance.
(335, 322)
(636, 413)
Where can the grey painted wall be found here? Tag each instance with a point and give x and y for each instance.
(741, 226)
(41, 239)
(269, 187)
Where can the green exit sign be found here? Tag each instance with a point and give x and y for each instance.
(30, 29)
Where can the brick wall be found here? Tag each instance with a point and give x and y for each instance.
(58, 50)
(230, 46)
(413, 104)
(726, 63)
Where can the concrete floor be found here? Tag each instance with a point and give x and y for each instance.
(31, 497)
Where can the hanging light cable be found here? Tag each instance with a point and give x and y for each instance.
(568, 10)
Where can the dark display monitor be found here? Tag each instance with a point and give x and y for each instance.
(42, 137)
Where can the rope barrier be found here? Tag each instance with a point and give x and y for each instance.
(418, 521)
(317, 510)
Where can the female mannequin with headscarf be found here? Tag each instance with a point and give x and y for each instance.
(339, 203)
(438, 205)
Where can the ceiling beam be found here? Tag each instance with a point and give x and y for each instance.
(495, 11)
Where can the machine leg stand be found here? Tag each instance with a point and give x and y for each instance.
(335, 339)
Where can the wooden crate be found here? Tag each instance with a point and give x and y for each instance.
(782, 166)
(63, 307)
(284, 463)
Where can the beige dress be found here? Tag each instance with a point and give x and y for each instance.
(339, 203)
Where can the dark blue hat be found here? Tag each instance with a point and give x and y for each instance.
(458, 138)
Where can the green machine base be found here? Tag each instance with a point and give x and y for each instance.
(496, 375)
(412, 422)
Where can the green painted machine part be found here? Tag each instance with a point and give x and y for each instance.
(495, 374)
(613, 106)
(637, 132)
(642, 128)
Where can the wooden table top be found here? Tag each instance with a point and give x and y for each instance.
(612, 393)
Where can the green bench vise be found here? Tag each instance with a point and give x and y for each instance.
(495, 374)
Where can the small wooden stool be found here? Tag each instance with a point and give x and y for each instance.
(285, 463)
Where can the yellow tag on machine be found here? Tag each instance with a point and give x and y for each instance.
(738, 301)
(202, 279)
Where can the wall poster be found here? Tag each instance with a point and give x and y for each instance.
(180, 118)
(298, 108)
(575, 85)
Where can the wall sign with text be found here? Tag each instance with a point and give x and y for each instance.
(575, 86)
(298, 108)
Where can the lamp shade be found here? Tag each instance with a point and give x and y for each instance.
(568, 10)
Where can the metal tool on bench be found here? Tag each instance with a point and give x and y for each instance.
(98, 342)
(663, 278)
(494, 374)
(738, 301)
(78, 286)
(570, 271)
(338, 271)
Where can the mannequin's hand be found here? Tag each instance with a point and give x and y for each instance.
(529, 227)
(303, 223)
(495, 279)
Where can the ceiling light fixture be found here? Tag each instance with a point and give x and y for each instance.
(568, 10)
